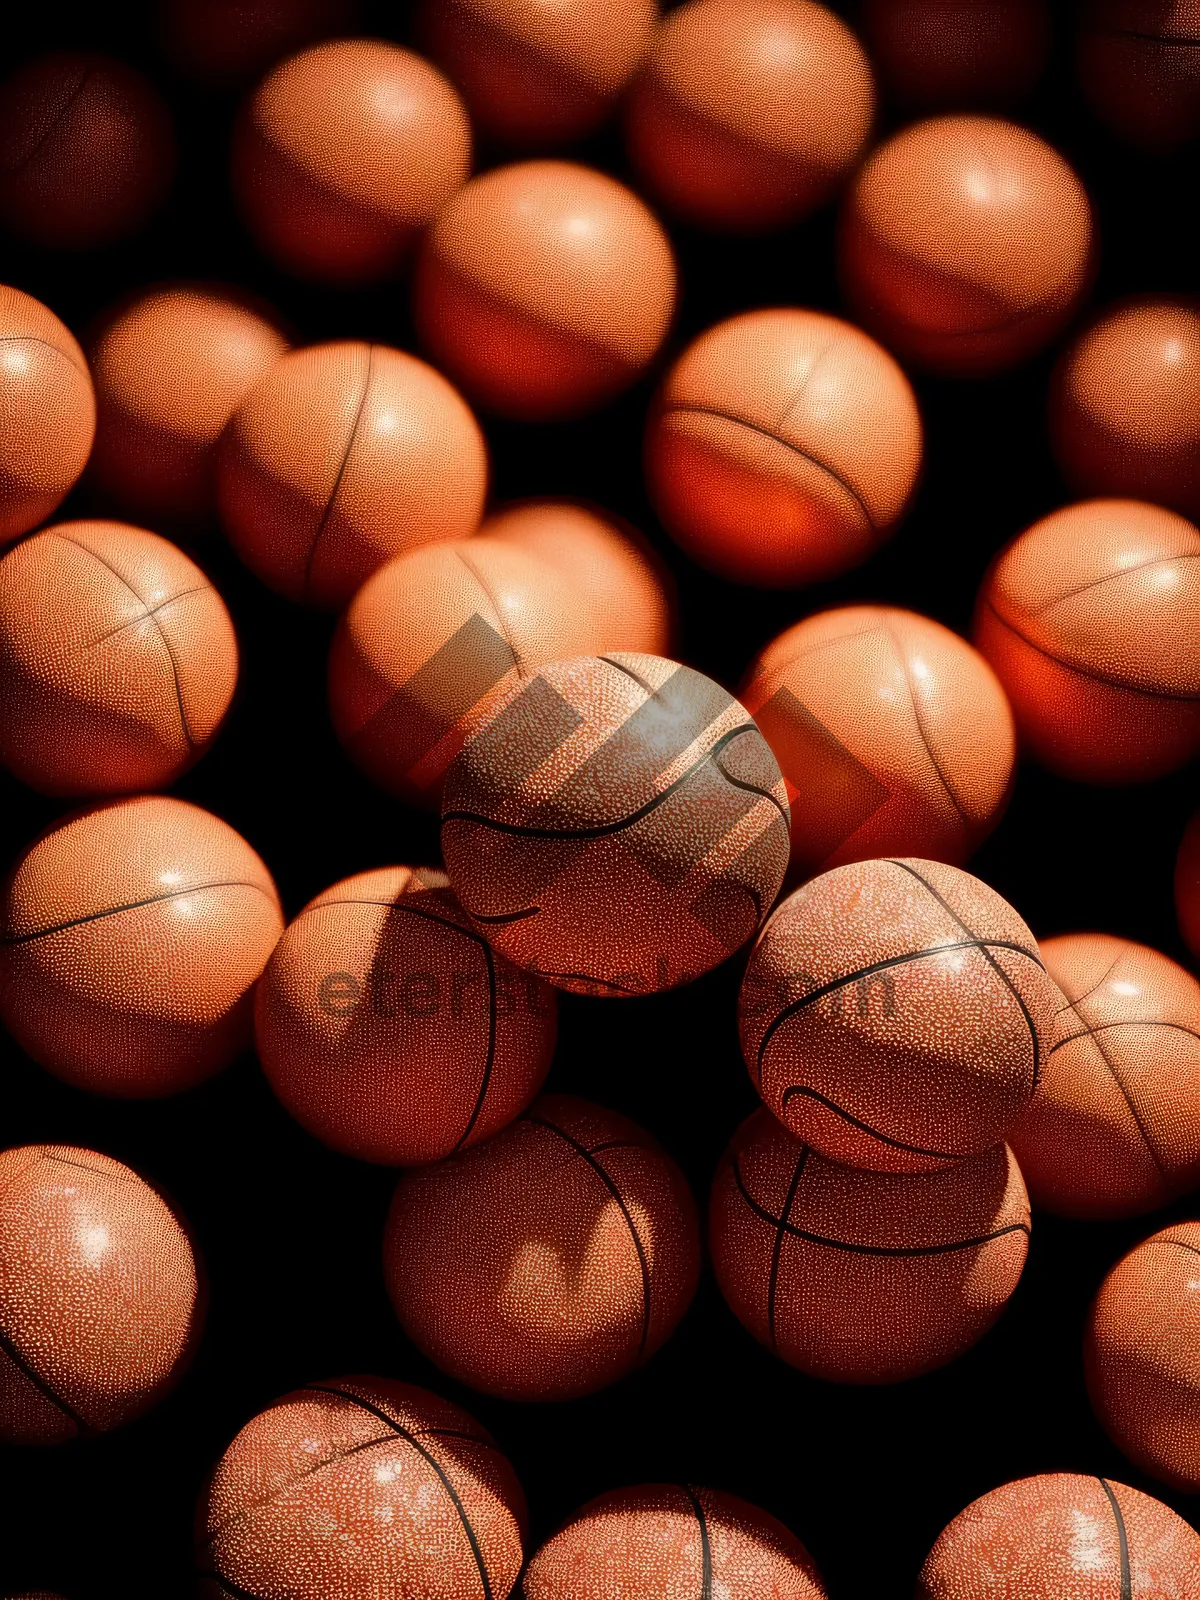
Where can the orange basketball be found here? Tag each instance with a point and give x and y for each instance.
(958, 53)
(131, 937)
(1141, 1356)
(548, 1262)
(98, 1295)
(663, 1540)
(544, 289)
(1063, 1534)
(47, 412)
(1137, 65)
(966, 244)
(343, 154)
(891, 732)
(1187, 885)
(896, 1015)
(117, 660)
(386, 1025)
(783, 447)
(864, 1277)
(171, 367)
(219, 43)
(617, 824)
(361, 1486)
(1114, 1128)
(342, 456)
(1091, 620)
(87, 150)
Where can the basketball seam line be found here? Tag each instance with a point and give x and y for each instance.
(1122, 1540)
(133, 905)
(1087, 672)
(865, 1127)
(706, 1571)
(1178, 1243)
(28, 1371)
(781, 667)
(1180, 40)
(754, 788)
(1113, 577)
(912, 700)
(1133, 1111)
(1088, 993)
(96, 1172)
(243, 1512)
(629, 673)
(36, 338)
(85, 78)
(496, 612)
(340, 474)
(579, 977)
(148, 614)
(777, 1248)
(1132, 1022)
(214, 1575)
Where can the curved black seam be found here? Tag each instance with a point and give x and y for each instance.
(132, 905)
(865, 1127)
(88, 74)
(706, 1566)
(1114, 577)
(1088, 672)
(754, 788)
(1133, 1111)
(1131, 1022)
(96, 1172)
(586, 977)
(912, 700)
(214, 1575)
(1178, 1243)
(40, 1383)
(629, 673)
(218, 1532)
(34, 338)
(777, 1248)
(501, 916)
(1088, 993)
(1179, 40)
(148, 614)
(1122, 1541)
(341, 473)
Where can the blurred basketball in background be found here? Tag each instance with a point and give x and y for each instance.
(131, 937)
(544, 289)
(1091, 620)
(221, 43)
(894, 731)
(1137, 64)
(1187, 885)
(342, 456)
(957, 54)
(343, 154)
(118, 660)
(965, 244)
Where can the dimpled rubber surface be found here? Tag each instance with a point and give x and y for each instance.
(1091, 620)
(668, 1541)
(118, 660)
(387, 1026)
(966, 242)
(47, 412)
(1138, 64)
(893, 730)
(783, 447)
(221, 43)
(618, 824)
(548, 1262)
(342, 456)
(1067, 1536)
(895, 1015)
(544, 289)
(131, 937)
(361, 1486)
(1114, 1127)
(864, 1277)
(954, 54)
(98, 1294)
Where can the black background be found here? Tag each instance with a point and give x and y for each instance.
(290, 1232)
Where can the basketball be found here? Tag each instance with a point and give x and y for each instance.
(221, 43)
(47, 412)
(343, 154)
(893, 735)
(361, 1486)
(1063, 1534)
(544, 289)
(896, 1015)
(342, 456)
(956, 54)
(1187, 885)
(87, 151)
(617, 824)
(98, 1295)
(1141, 1356)
(965, 244)
(1136, 64)
(131, 937)
(388, 1028)
(748, 114)
(1089, 620)
(170, 369)
(548, 1262)
(661, 1540)
(864, 1277)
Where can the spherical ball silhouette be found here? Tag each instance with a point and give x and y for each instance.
(896, 1015)
(361, 1486)
(893, 735)
(544, 289)
(864, 1277)
(773, 502)
(343, 154)
(171, 367)
(1136, 61)
(665, 1539)
(955, 54)
(1187, 885)
(1141, 1356)
(1125, 405)
(221, 43)
(47, 412)
(616, 823)
(548, 1262)
(965, 244)
(534, 75)
(118, 660)
(131, 937)
(1088, 619)
(748, 114)
(1062, 1534)
(342, 456)
(87, 151)
(98, 1295)
(389, 1029)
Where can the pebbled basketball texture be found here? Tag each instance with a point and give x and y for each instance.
(548, 1262)
(99, 1295)
(618, 824)
(1136, 61)
(958, 54)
